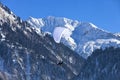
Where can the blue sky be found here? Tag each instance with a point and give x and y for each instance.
(103, 13)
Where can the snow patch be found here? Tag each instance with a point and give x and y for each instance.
(36, 22)
(90, 46)
(71, 60)
(117, 34)
(3, 37)
(4, 16)
(93, 25)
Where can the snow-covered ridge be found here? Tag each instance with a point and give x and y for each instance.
(83, 37)
(48, 24)
(90, 46)
(117, 34)
(5, 14)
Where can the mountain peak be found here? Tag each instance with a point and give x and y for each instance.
(28, 53)
(5, 8)
(80, 35)
(6, 15)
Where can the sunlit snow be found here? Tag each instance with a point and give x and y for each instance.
(81, 37)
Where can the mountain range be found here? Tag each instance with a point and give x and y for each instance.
(28, 50)
(83, 37)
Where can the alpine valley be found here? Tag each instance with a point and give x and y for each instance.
(28, 50)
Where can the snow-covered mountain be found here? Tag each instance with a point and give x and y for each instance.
(83, 37)
(28, 53)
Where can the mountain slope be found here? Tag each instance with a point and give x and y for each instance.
(101, 65)
(27, 55)
(83, 37)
